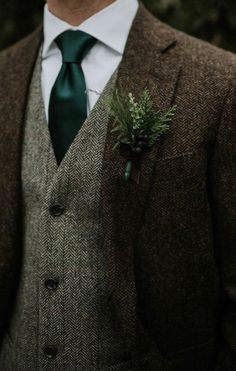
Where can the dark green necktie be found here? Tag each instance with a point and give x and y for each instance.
(68, 100)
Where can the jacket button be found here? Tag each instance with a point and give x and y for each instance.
(56, 210)
(51, 284)
(50, 352)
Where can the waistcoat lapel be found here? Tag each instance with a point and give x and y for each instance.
(148, 62)
(16, 68)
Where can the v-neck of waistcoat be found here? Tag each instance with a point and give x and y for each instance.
(65, 163)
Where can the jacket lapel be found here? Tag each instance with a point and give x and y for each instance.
(16, 73)
(16, 66)
(149, 61)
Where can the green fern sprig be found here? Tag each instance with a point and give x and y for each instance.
(137, 123)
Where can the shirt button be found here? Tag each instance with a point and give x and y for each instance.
(56, 210)
(50, 352)
(51, 284)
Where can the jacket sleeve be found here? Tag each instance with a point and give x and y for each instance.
(222, 193)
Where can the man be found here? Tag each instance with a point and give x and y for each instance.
(99, 273)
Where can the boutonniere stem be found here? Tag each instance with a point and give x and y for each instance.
(137, 124)
(128, 169)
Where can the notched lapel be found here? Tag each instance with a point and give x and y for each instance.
(149, 61)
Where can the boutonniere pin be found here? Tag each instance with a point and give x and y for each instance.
(137, 124)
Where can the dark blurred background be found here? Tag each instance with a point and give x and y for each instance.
(212, 20)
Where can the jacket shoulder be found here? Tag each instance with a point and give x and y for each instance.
(196, 55)
(204, 56)
(10, 54)
(205, 68)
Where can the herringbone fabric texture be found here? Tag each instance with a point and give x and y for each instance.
(170, 240)
(78, 317)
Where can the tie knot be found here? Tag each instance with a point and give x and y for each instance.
(74, 45)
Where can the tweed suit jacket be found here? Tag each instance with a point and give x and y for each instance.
(170, 240)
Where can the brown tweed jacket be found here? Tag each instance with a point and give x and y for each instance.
(170, 240)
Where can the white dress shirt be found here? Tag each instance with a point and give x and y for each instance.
(110, 27)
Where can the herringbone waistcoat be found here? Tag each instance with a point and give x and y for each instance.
(63, 317)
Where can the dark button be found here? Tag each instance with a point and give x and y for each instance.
(56, 210)
(50, 352)
(51, 284)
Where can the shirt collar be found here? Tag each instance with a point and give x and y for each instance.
(110, 26)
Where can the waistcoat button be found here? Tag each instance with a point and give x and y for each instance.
(51, 284)
(50, 352)
(56, 210)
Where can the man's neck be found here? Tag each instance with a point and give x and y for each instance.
(76, 12)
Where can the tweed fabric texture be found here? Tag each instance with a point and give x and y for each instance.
(77, 318)
(169, 240)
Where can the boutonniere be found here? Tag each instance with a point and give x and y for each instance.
(138, 124)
